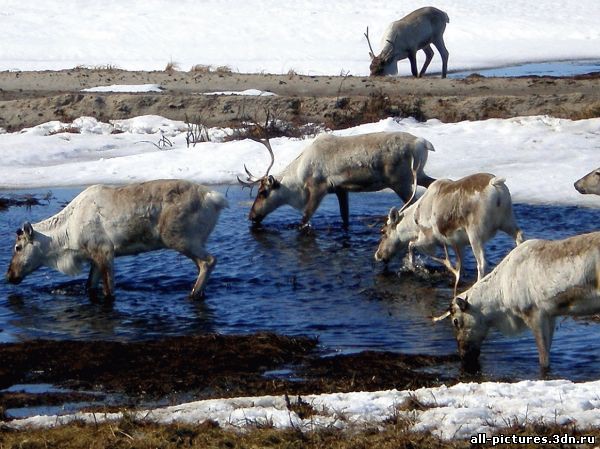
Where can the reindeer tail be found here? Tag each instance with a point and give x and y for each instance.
(217, 199)
(497, 181)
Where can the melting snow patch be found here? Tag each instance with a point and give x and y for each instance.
(456, 412)
(126, 88)
(247, 92)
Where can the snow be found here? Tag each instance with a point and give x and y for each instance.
(247, 92)
(460, 411)
(277, 36)
(133, 88)
(539, 156)
(526, 151)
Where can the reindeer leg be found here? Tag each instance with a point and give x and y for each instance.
(315, 195)
(439, 44)
(93, 278)
(412, 57)
(542, 326)
(108, 286)
(342, 197)
(479, 254)
(205, 266)
(91, 285)
(102, 268)
(428, 57)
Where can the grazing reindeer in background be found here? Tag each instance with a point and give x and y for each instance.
(536, 282)
(590, 183)
(334, 164)
(452, 213)
(414, 32)
(102, 223)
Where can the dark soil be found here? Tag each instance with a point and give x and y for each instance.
(199, 367)
(31, 98)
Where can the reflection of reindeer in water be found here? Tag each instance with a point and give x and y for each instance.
(414, 32)
(334, 164)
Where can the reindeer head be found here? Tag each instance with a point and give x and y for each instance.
(26, 255)
(470, 329)
(378, 63)
(394, 237)
(391, 240)
(590, 183)
(268, 187)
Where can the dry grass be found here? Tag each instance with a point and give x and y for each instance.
(171, 67)
(201, 69)
(129, 433)
(70, 129)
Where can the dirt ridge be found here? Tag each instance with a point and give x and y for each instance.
(30, 98)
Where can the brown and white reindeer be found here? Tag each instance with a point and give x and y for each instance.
(335, 164)
(102, 223)
(453, 214)
(536, 282)
(590, 183)
(405, 37)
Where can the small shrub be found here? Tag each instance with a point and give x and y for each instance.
(171, 67)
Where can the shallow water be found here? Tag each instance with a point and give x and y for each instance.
(324, 283)
(551, 68)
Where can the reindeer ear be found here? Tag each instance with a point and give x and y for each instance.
(28, 230)
(393, 216)
(272, 182)
(462, 304)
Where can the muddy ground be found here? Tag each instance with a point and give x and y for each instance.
(31, 98)
(116, 374)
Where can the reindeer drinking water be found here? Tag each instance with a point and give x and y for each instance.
(336, 164)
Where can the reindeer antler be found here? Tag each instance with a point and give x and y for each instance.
(414, 189)
(371, 52)
(252, 180)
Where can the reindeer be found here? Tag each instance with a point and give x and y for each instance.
(102, 223)
(590, 183)
(414, 32)
(334, 164)
(451, 213)
(536, 282)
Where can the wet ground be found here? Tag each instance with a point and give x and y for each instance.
(316, 294)
(45, 376)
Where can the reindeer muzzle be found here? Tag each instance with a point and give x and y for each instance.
(580, 187)
(13, 278)
(255, 218)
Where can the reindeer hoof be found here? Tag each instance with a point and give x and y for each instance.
(197, 296)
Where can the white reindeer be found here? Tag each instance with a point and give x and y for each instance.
(334, 164)
(102, 223)
(452, 213)
(536, 282)
(590, 183)
(414, 32)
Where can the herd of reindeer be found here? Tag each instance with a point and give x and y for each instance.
(538, 281)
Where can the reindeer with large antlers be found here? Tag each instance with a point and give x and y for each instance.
(414, 32)
(336, 164)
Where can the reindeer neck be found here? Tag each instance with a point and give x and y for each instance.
(295, 192)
